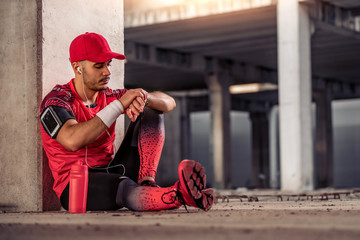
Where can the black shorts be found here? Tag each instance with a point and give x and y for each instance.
(101, 195)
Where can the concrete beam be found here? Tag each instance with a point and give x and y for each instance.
(241, 72)
(186, 61)
(245, 105)
(160, 57)
(180, 10)
(337, 30)
(338, 89)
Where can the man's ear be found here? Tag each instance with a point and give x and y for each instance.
(77, 67)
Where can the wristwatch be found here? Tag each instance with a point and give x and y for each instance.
(147, 100)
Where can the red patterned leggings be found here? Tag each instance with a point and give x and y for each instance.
(141, 148)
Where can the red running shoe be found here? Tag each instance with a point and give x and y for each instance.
(191, 186)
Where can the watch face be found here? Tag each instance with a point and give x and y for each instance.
(50, 121)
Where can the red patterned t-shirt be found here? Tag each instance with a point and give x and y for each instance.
(98, 153)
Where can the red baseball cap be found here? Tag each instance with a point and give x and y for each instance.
(92, 47)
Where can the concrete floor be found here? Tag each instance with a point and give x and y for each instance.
(269, 218)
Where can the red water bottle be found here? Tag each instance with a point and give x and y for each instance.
(78, 188)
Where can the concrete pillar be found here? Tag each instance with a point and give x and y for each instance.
(86, 16)
(274, 147)
(171, 155)
(35, 39)
(260, 149)
(20, 93)
(185, 128)
(324, 138)
(220, 147)
(294, 64)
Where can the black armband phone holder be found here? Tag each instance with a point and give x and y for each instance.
(53, 118)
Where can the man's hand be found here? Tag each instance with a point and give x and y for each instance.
(135, 108)
(131, 95)
(134, 102)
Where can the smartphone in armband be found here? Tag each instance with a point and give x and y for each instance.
(51, 121)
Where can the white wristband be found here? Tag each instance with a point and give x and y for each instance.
(111, 112)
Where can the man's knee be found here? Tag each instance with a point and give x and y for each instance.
(152, 115)
(126, 189)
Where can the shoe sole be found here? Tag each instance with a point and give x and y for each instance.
(194, 178)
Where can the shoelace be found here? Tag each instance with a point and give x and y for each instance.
(178, 197)
(181, 199)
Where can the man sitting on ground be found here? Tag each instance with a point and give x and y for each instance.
(82, 129)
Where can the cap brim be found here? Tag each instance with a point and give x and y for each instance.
(104, 57)
(119, 56)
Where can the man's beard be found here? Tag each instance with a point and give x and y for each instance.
(95, 87)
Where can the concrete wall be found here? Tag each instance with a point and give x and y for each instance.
(66, 19)
(34, 40)
(346, 130)
(63, 20)
(77, 18)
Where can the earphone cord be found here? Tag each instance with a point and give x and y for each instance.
(112, 140)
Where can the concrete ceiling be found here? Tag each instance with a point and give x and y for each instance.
(345, 3)
(248, 36)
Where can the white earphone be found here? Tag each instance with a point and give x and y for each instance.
(78, 69)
